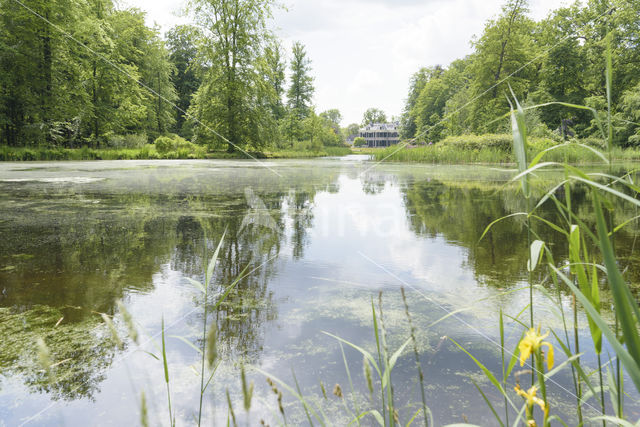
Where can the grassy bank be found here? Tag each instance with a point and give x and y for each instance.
(497, 149)
(150, 152)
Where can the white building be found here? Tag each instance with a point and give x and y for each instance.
(380, 134)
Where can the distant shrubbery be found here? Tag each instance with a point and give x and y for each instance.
(359, 142)
(127, 141)
(172, 142)
(496, 148)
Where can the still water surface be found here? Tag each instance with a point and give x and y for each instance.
(321, 239)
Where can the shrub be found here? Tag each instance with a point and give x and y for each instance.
(167, 143)
(359, 142)
(127, 141)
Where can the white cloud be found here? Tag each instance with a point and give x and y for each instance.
(363, 52)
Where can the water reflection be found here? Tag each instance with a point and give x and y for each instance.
(134, 231)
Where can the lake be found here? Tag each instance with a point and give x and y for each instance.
(315, 243)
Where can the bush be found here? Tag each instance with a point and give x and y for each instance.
(477, 142)
(171, 142)
(127, 141)
(359, 142)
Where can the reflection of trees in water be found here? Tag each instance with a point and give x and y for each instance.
(460, 212)
(73, 253)
(83, 346)
(301, 213)
(374, 181)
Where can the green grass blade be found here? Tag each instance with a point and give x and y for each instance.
(581, 373)
(164, 356)
(212, 262)
(486, 230)
(535, 252)
(484, 396)
(519, 131)
(353, 393)
(293, 392)
(364, 352)
(197, 284)
(608, 190)
(398, 352)
(187, 342)
(627, 360)
(626, 308)
(486, 371)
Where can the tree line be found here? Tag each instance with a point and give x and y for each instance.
(86, 73)
(560, 58)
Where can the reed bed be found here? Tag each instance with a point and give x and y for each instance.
(489, 149)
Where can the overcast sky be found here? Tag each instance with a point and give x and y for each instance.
(363, 52)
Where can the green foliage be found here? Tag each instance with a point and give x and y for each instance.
(556, 59)
(373, 115)
(496, 148)
(359, 142)
(233, 104)
(301, 89)
(182, 43)
(54, 92)
(127, 141)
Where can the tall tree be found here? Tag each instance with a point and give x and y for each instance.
(182, 42)
(504, 47)
(274, 74)
(301, 90)
(416, 83)
(40, 78)
(229, 99)
(429, 109)
(373, 115)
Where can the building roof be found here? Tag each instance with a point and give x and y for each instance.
(381, 126)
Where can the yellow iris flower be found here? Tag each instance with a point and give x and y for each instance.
(532, 399)
(531, 342)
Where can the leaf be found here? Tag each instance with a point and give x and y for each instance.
(519, 131)
(197, 284)
(486, 372)
(164, 356)
(535, 252)
(187, 342)
(392, 361)
(486, 230)
(626, 307)
(495, 414)
(212, 263)
(364, 352)
(629, 363)
(608, 190)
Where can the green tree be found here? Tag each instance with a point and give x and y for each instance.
(504, 47)
(429, 108)
(301, 90)
(352, 130)
(40, 78)
(332, 119)
(359, 142)
(416, 83)
(182, 42)
(373, 115)
(230, 99)
(274, 73)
